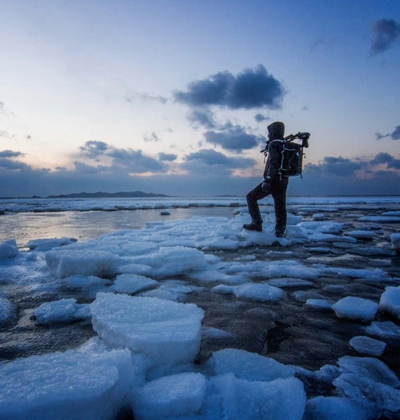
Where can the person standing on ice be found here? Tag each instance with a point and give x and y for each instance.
(274, 183)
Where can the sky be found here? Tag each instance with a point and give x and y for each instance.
(175, 96)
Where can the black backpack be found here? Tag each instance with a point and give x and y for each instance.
(292, 154)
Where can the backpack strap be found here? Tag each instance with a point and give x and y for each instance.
(283, 142)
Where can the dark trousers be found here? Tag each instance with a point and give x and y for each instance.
(278, 192)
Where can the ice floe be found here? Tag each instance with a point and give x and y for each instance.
(390, 300)
(356, 308)
(368, 346)
(64, 310)
(167, 332)
(66, 386)
(9, 249)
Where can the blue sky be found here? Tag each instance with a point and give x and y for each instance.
(175, 96)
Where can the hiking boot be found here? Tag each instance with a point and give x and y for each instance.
(253, 226)
(280, 232)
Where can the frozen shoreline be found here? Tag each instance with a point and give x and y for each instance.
(114, 204)
(285, 300)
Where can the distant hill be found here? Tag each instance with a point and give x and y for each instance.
(133, 194)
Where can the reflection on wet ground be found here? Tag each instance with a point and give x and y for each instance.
(24, 227)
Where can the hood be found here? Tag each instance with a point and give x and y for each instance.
(276, 130)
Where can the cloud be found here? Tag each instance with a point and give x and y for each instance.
(170, 157)
(386, 159)
(132, 161)
(385, 33)
(93, 148)
(394, 136)
(89, 169)
(12, 165)
(396, 133)
(214, 164)
(337, 166)
(144, 96)
(352, 169)
(320, 42)
(234, 139)
(10, 154)
(203, 118)
(151, 137)
(381, 158)
(260, 118)
(253, 88)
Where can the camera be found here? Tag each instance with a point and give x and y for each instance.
(303, 137)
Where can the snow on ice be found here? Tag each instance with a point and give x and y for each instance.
(368, 346)
(69, 385)
(6, 310)
(166, 332)
(356, 308)
(395, 238)
(64, 310)
(147, 339)
(8, 249)
(390, 300)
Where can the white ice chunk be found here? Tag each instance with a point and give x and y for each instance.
(368, 275)
(8, 249)
(6, 310)
(65, 386)
(83, 282)
(249, 366)
(368, 346)
(168, 332)
(380, 219)
(361, 234)
(327, 237)
(47, 244)
(289, 282)
(395, 238)
(215, 333)
(289, 268)
(371, 368)
(276, 400)
(384, 330)
(258, 291)
(63, 310)
(68, 262)
(175, 395)
(211, 276)
(133, 283)
(391, 213)
(368, 379)
(318, 216)
(334, 408)
(172, 261)
(322, 227)
(390, 300)
(355, 308)
(319, 303)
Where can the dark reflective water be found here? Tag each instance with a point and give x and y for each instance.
(24, 227)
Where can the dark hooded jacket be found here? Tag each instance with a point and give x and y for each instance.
(276, 131)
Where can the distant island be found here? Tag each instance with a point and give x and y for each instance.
(106, 195)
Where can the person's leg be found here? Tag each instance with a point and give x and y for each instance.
(252, 202)
(279, 196)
